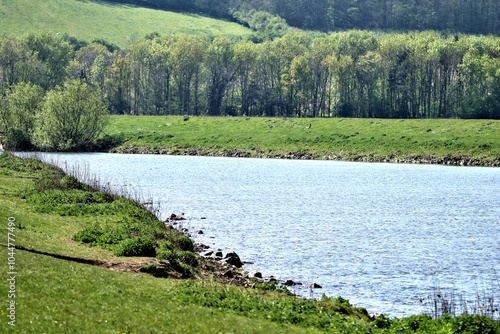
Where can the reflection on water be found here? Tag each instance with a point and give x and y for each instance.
(380, 235)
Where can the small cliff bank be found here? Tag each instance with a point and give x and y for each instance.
(451, 160)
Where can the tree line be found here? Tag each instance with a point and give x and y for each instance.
(344, 74)
(466, 16)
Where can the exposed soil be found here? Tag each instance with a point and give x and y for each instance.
(209, 269)
(452, 160)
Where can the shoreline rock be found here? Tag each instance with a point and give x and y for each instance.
(450, 160)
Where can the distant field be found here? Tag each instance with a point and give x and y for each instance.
(468, 142)
(117, 23)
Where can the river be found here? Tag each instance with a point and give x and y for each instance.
(383, 236)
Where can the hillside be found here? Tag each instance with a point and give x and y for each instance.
(117, 23)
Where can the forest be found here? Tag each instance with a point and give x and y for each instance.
(466, 16)
(56, 90)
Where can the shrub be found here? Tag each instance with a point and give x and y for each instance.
(185, 243)
(135, 247)
(475, 324)
(70, 182)
(71, 117)
(382, 321)
(185, 270)
(187, 257)
(88, 235)
(154, 270)
(273, 286)
(110, 238)
(167, 254)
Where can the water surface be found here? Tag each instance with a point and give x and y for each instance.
(381, 235)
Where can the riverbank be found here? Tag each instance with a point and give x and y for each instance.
(67, 286)
(431, 141)
(74, 280)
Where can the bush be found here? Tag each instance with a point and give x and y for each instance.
(188, 258)
(475, 324)
(273, 286)
(72, 117)
(185, 243)
(18, 113)
(88, 235)
(70, 182)
(17, 140)
(154, 270)
(167, 254)
(382, 321)
(135, 247)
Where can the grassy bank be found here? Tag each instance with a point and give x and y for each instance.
(447, 141)
(114, 22)
(63, 285)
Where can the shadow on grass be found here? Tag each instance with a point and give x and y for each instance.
(155, 6)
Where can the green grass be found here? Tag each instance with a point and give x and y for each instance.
(423, 140)
(56, 293)
(58, 296)
(117, 23)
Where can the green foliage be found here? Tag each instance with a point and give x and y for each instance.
(273, 286)
(455, 15)
(17, 62)
(382, 321)
(135, 247)
(474, 324)
(74, 202)
(288, 310)
(184, 243)
(53, 53)
(73, 116)
(181, 261)
(89, 235)
(18, 114)
(187, 257)
(345, 74)
(11, 162)
(174, 256)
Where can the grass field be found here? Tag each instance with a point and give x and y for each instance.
(467, 142)
(117, 23)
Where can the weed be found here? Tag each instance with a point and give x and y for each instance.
(382, 321)
(135, 247)
(273, 286)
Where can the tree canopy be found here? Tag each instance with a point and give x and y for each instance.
(343, 74)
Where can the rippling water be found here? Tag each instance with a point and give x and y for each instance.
(380, 235)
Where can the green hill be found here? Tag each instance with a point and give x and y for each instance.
(117, 23)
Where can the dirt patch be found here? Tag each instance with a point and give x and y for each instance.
(209, 269)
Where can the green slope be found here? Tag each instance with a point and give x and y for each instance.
(117, 23)
(445, 141)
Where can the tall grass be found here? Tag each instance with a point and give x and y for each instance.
(449, 301)
(127, 222)
(81, 171)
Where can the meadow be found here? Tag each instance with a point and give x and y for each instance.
(448, 141)
(120, 24)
